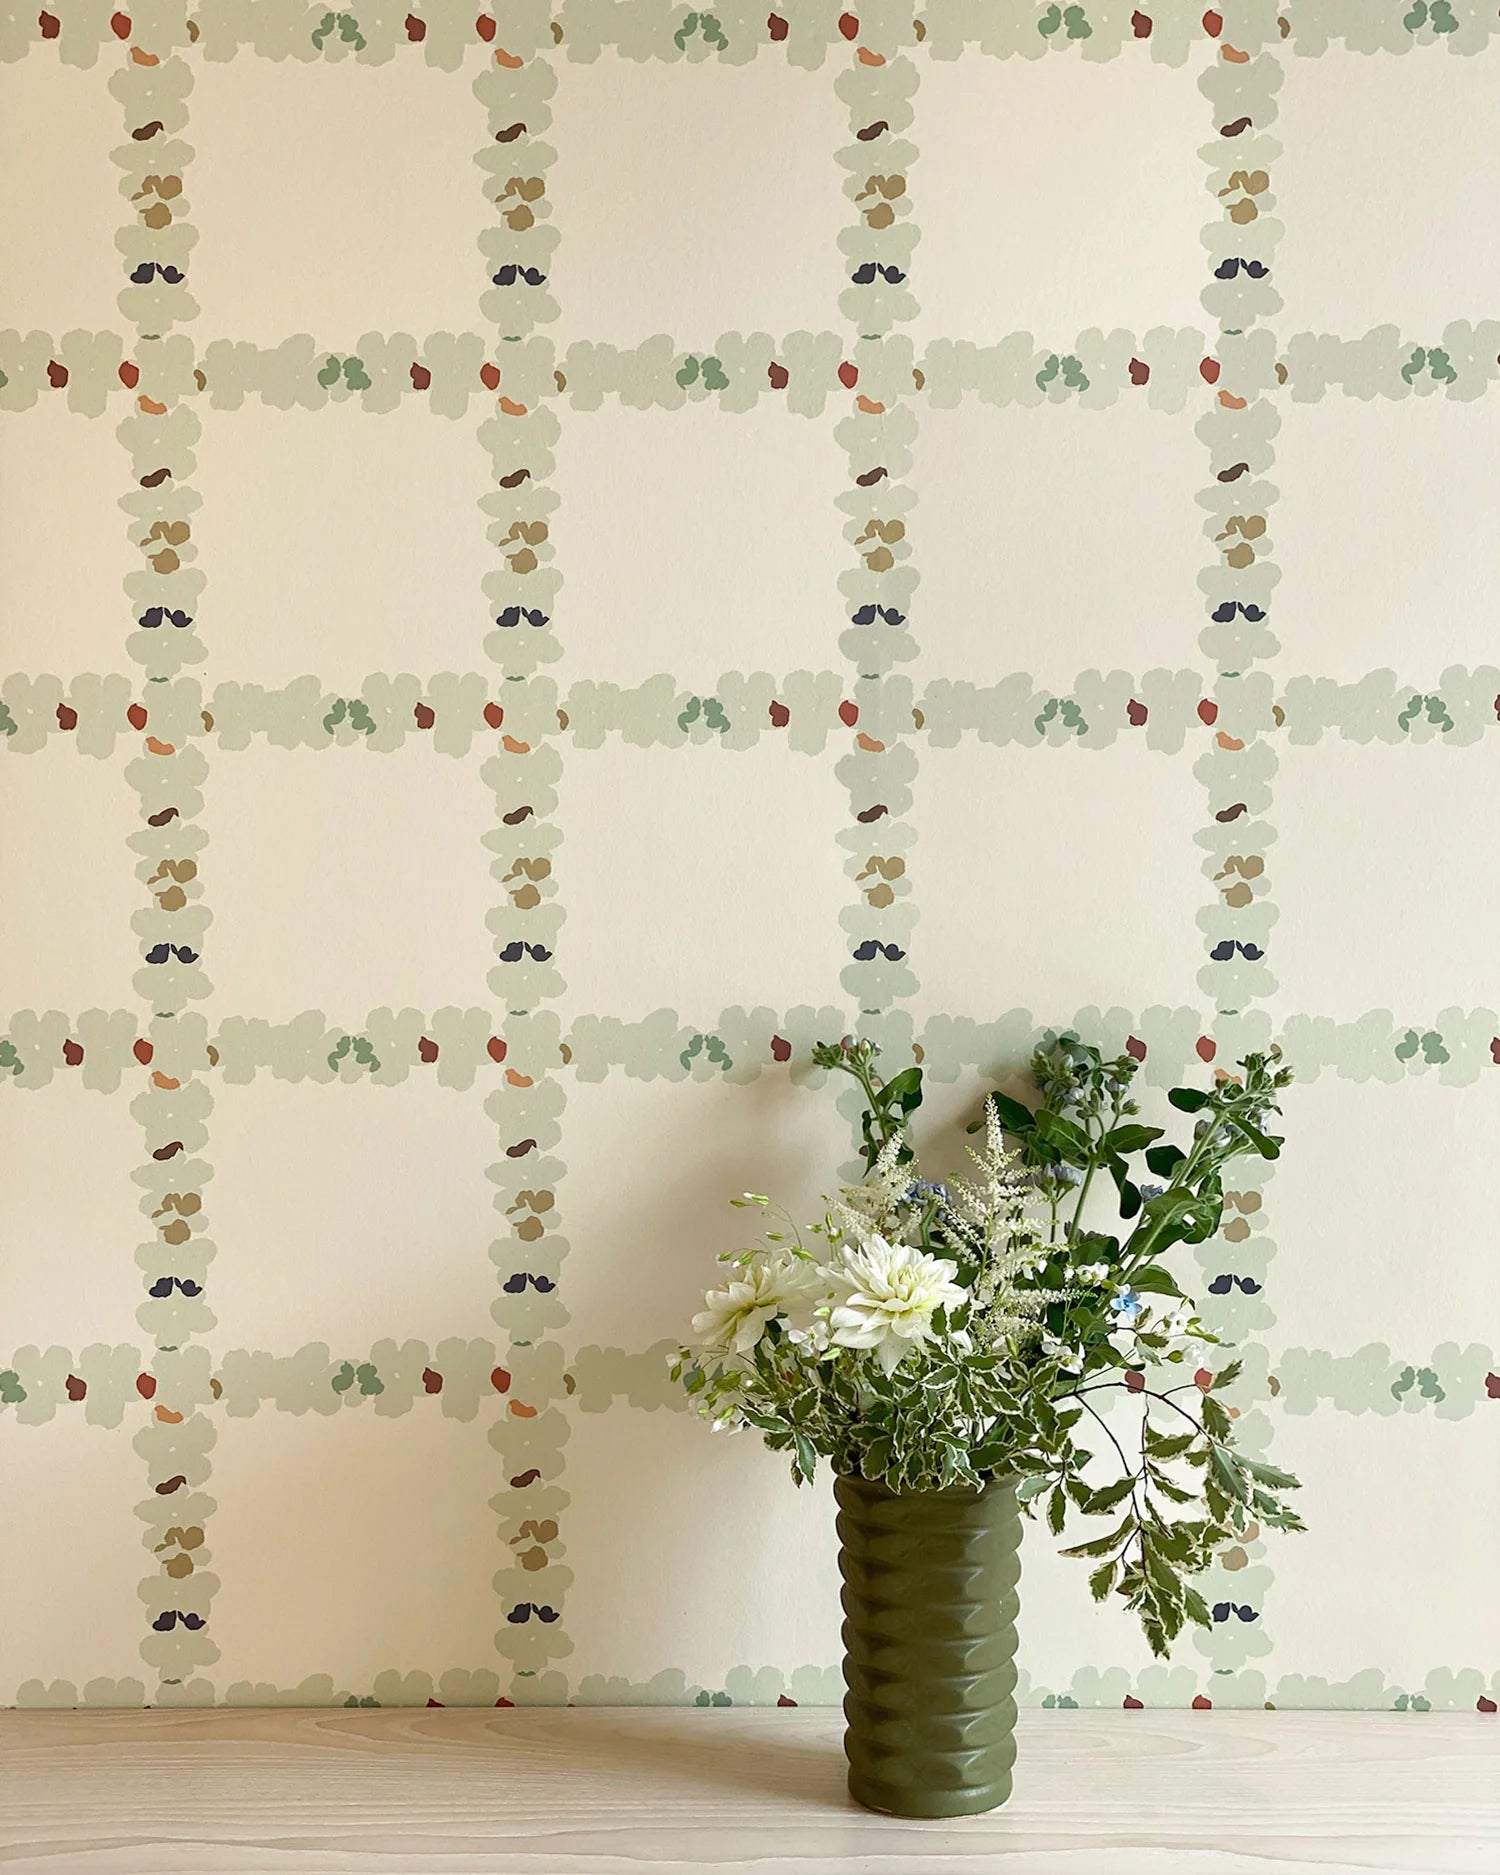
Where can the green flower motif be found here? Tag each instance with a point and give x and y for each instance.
(1069, 368)
(12, 1393)
(687, 371)
(1434, 709)
(10, 1061)
(7, 722)
(713, 376)
(359, 1048)
(710, 1048)
(1065, 711)
(345, 25)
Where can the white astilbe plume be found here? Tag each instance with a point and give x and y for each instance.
(873, 1208)
(989, 1222)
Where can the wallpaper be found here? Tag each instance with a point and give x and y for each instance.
(552, 558)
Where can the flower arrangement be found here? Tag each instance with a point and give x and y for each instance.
(932, 1336)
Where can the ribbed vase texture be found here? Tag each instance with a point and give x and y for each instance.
(930, 1602)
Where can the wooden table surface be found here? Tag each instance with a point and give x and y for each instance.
(617, 1792)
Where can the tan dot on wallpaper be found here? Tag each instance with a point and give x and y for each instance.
(312, 218)
(1375, 153)
(660, 240)
(60, 200)
(698, 541)
(1054, 195)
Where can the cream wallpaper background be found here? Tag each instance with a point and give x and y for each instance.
(552, 559)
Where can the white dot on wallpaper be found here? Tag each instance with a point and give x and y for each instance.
(65, 544)
(319, 570)
(1351, 1240)
(1375, 155)
(1063, 878)
(1362, 1587)
(1383, 880)
(635, 1273)
(375, 1244)
(659, 239)
(70, 1220)
(60, 202)
(347, 881)
(1054, 195)
(698, 541)
(70, 1554)
(312, 218)
(699, 879)
(354, 1545)
(1384, 532)
(1055, 540)
(67, 935)
(658, 1540)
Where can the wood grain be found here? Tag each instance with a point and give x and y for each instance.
(616, 1792)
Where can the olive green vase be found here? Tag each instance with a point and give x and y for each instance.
(930, 1605)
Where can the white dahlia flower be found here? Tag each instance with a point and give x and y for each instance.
(893, 1293)
(769, 1285)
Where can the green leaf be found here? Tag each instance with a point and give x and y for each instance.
(1272, 1475)
(1153, 1280)
(1028, 1488)
(1070, 1140)
(1102, 1580)
(1158, 1446)
(1131, 1138)
(1108, 1496)
(1164, 1160)
(1229, 1474)
(905, 1088)
(1057, 1510)
(1226, 1376)
(1188, 1099)
(1264, 1144)
(1102, 1545)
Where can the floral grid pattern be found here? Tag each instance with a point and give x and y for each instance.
(1224, 714)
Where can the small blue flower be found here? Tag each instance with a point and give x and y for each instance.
(921, 1188)
(1151, 1191)
(1125, 1308)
